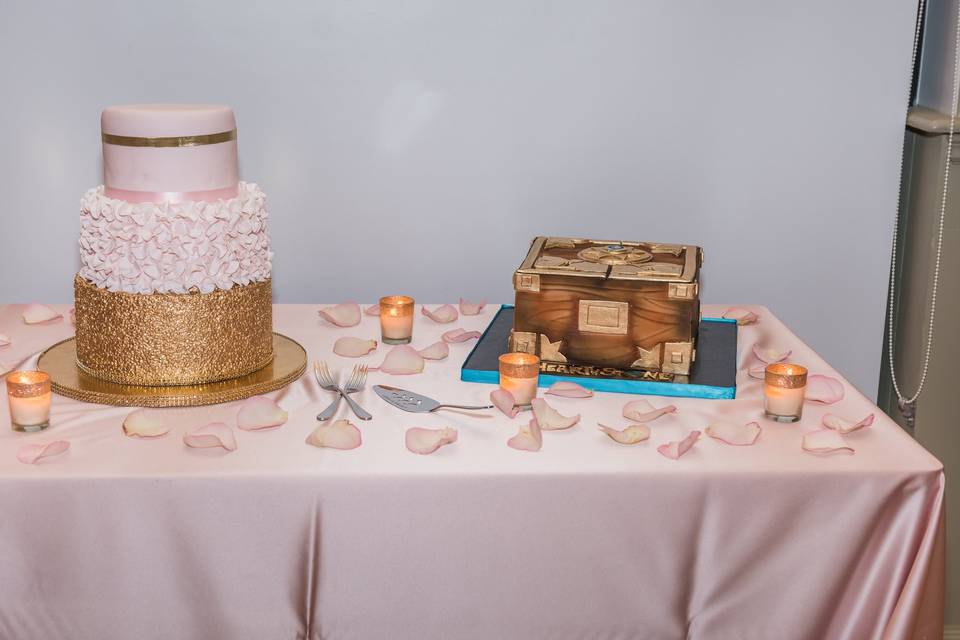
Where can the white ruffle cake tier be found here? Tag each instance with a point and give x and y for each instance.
(174, 247)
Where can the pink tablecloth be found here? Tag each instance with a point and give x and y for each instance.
(124, 538)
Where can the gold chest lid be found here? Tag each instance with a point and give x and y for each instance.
(612, 259)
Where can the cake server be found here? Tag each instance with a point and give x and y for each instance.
(416, 403)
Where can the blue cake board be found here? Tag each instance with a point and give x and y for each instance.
(714, 373)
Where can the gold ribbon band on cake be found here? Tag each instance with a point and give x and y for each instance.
(172, 141)
(173, 339)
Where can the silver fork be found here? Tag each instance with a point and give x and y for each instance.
(328, 381)
(355, 383)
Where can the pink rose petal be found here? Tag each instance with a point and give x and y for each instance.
(443, 314)
(353, 347)
(215, 434)
(504, 400)
(346, 314)
(424, 441)
(770, 355)
(402, 360)
(674, 450)
(549, 418)
(39, 313)
(436, 351)
(741, 435)
(643, 411)
(528, 438)
(824, 389)
(459, 335)
(741, 315)
(372, 310)
(842, 425)
(342, 434)
(567, 389)
(145, 423)
(471, 308)
(4, 340)
(758, 371)
(260, 412)
(631, 435)
(33, 453)
(825, 441)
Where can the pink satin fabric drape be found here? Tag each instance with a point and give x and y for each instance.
(124, 538)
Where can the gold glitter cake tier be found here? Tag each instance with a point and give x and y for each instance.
(173, 339)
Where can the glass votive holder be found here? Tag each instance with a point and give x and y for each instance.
(28, 394)
(396, 319)
(519, 374)
(784, 388)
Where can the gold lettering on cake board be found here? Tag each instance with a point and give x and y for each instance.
(590, 371)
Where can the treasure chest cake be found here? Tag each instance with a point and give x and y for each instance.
(625, 305)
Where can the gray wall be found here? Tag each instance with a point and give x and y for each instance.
(417, 146)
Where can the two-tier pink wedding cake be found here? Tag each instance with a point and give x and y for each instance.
(174, 286)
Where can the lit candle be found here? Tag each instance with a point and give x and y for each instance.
(396, 319)
(519, 374)
(783, 391)
(28, 394)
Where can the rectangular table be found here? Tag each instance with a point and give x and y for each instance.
(127, 538)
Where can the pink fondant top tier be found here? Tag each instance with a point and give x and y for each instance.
(177, 152)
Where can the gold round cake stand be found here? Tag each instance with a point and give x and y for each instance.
(66, 378)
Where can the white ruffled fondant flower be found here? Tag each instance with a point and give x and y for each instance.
(174, 247)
